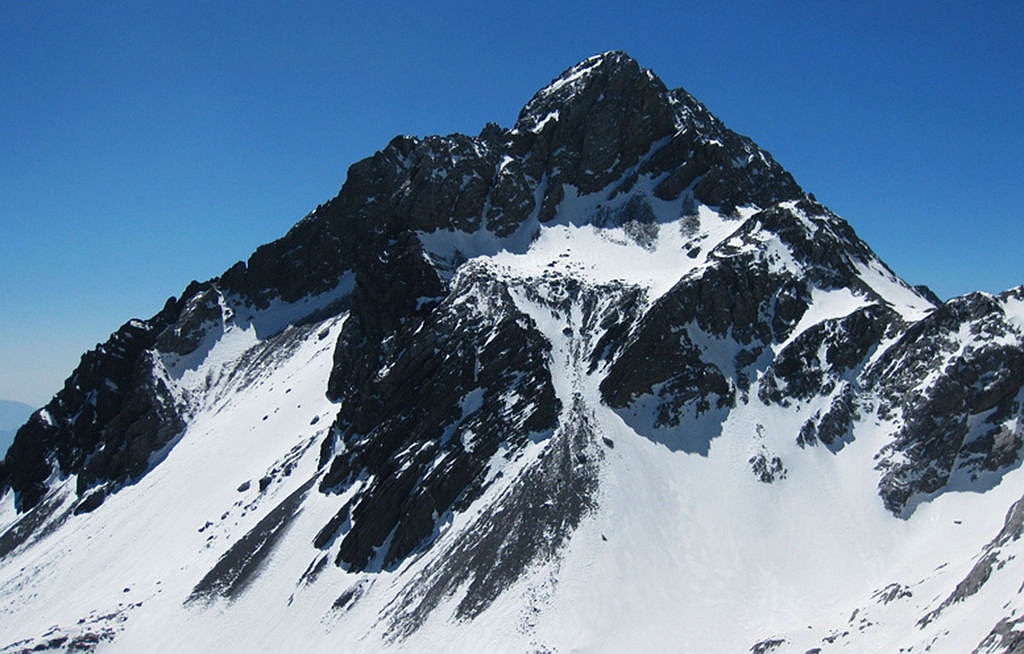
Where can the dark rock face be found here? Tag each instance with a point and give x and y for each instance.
(385, 301)
(91, 502)
(308, 260)
(799, 373)
(596, 121)
(965, 359)
(111, 414)
(833, 426)
(743, 295)
(117, 411)
(198, 312)
(467, 379)
(825, 245)
(891, 593)
(767, 645)
(606, 121)
(825, 360)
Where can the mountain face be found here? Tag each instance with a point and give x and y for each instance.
(608, 380)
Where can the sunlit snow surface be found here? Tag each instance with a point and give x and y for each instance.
(686, 551)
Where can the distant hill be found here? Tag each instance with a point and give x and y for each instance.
(12, 416)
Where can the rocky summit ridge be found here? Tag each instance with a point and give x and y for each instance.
(513, 340)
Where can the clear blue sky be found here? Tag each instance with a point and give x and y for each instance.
(146, 144)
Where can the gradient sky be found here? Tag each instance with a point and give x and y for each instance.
(145, 144)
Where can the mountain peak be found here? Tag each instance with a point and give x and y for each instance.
(608, 76)
(595, 68)
(607, 121)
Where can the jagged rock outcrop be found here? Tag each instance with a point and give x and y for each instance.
(745, 295)
(112, 413)
(953, 382)
(424, 444)
(800, 372)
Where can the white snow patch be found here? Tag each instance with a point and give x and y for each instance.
(903, 299)
(824, 305)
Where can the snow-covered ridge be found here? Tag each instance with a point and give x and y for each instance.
(233, 335)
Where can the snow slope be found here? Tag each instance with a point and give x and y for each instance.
(677, 541)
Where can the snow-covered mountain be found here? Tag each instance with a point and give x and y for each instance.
(608, 380)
